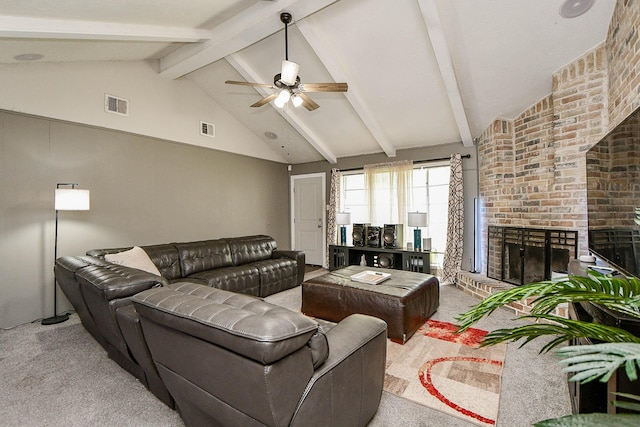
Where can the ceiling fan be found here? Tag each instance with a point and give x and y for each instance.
(288, 81)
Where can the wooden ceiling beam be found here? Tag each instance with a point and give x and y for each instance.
(63, 29)
(438, 40)
(255, 23)
(331, 61)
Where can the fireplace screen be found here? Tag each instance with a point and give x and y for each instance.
(620, 246)
(527, 255)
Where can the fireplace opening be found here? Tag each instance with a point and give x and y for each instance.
(526, 255)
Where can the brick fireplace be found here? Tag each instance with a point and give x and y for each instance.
(532, 169)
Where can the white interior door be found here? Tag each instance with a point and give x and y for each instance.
(308, 213)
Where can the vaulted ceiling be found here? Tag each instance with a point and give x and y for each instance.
(420, 72)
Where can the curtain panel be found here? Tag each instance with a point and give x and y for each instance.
(455, 226)
(334, 207)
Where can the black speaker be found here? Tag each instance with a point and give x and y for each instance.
(359, 234)
(392, 236)
(383, 260)
(373, 236)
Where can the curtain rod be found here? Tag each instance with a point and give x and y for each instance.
(464, 156)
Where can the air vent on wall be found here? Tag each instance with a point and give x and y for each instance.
(113, 104)
(207, 129)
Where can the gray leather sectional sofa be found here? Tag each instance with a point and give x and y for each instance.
(183, 351)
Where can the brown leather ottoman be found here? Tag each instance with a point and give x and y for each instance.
(405, 301)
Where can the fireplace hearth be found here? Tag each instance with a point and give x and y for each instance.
(526, 255)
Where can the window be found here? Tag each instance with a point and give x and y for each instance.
(429, 193)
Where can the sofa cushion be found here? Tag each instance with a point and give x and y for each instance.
(135, 257)
(276, 275)
(166, 258)
(114, 281)
(243, 324)
(243, 279)
(201, 256)
(249, 249)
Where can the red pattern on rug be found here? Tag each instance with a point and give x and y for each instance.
(425, 378)
(448, 372)
(448, 332)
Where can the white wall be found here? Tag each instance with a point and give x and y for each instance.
(159, 107)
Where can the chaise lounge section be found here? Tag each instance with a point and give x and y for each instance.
(232, 359)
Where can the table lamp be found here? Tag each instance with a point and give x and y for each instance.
(343, 219)
(417, 219)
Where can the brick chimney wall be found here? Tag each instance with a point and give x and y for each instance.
(532, 169)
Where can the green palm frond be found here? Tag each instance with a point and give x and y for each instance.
(590, 362)
(623, 404)
(619, 294)
(562, 329)
(593, 420)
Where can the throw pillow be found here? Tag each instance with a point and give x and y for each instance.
(135, 257)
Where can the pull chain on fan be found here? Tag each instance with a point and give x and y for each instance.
(288, 81)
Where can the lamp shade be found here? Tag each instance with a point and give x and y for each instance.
(289, 72)
(72, 199)
(343, 218)
(297, 100)
(282, 98)
(417, 219)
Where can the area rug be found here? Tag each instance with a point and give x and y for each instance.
(447, 371)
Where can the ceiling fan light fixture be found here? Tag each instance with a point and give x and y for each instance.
(289, 72)
(296, 100)
(282, 98)
(288, 81)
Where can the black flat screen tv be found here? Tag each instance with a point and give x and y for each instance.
(613, 197)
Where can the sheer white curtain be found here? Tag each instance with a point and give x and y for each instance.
(455, 226)
(389, 187)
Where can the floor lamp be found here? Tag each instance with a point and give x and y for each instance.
(66, 199)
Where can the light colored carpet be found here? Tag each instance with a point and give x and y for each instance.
(59, 376)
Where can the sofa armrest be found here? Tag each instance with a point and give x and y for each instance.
(346, 389)
(298, 256)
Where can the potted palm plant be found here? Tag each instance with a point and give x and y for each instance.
(616, 348)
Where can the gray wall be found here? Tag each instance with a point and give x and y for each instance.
(143, 191)
(470, 176)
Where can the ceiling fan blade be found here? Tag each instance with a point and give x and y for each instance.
(233, 82)
(323, 87)
(307, 102)
(265, 100)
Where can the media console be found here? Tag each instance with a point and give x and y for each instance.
(398, 259)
